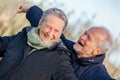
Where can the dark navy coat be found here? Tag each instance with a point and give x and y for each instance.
(19, 63)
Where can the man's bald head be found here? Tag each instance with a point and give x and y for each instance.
(103, 37)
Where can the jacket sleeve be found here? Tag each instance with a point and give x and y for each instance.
(4, 42)
(64, 70)
(67, 42)
(8, 59)
(33, 15)
(100, 73)
(102, 76)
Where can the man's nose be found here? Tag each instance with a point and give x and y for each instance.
(83, 37)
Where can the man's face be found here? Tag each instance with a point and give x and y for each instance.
(51, 30)
(87, 42)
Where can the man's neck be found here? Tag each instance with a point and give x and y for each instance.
(83, 55)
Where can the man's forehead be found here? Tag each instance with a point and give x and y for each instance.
(98, 32)
(95, 30)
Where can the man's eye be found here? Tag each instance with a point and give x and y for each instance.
(88, 36)
(57, 31)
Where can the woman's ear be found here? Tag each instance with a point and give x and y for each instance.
(39, 26)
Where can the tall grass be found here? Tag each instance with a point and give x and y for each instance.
(10, 21)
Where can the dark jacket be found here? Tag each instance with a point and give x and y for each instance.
(12, 57)
(84, 68)
(91, 68)
(43, 64)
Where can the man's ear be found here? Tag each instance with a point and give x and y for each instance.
(97, 51)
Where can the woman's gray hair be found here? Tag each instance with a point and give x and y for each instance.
(56, 12)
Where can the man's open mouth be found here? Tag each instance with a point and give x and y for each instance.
(82, 43)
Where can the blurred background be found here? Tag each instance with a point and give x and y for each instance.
(82, 14)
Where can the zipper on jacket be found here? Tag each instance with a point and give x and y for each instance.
(27, 52)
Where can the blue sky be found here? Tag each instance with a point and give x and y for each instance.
(107, 12)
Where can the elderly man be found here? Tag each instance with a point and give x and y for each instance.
(88, 52)
(37, 53)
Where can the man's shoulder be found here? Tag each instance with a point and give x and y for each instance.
(100, 73)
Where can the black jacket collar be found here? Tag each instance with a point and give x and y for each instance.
(88, 61)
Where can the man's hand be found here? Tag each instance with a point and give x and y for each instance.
(24, 8)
